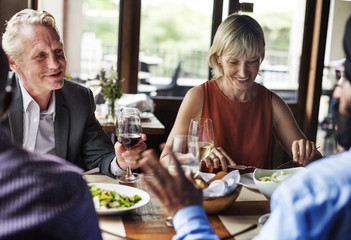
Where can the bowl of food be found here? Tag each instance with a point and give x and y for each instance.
(217, 204)
(267, 180)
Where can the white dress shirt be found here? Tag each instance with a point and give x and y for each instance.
(38, 126)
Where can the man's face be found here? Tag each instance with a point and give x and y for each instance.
(343, 94)
(42, 64)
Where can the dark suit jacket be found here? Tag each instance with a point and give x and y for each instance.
(79, 137)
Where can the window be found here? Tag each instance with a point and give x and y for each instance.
(99, 36)
(174, 41)
(283, 26)
(175, 49)
(91, 37)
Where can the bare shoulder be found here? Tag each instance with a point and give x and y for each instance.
(281, 110)
(193, 100)
(278, 103)
(195, 94)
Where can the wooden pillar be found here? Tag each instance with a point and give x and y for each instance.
(316, 66)
(128, 44)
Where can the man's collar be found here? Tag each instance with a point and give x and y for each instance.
(27, 99)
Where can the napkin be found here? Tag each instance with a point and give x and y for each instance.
(141, 101)
(222, 186)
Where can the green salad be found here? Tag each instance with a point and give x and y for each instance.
(277, 177)
(105, 199)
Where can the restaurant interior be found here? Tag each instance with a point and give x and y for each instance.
(299, 74)
(303, 71)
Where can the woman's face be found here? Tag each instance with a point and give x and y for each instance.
(240, 71)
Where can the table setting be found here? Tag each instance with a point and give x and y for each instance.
(147, 221)
(236, 204)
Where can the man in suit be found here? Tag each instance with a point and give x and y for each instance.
(41, 196)
(52, 114)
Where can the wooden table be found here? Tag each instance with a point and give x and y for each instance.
(148, 222)
(151, 126)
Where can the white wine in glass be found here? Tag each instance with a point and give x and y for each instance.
(202, 128)
(128, 131)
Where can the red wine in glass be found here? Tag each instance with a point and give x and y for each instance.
(128, 140)
(128, 132)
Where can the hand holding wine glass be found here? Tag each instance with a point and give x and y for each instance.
(128, 131)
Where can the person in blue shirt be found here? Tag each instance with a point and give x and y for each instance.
(313, 204)
(316, 204)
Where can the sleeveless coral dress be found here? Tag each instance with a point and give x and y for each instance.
(242, 129)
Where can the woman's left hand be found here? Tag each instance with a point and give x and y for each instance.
(303, 151)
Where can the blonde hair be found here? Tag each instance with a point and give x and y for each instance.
(236, 35)
(11, 41)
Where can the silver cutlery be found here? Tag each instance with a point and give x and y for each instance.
(240, 167)
(262, 220)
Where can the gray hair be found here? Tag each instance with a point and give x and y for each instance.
(11, 41)
(236, 35)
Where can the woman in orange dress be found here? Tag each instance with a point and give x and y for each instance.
(245, 114)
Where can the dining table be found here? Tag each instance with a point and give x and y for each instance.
(148, 221)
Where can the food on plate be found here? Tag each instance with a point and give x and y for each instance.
(218, 176)
(105, 199)
(277, 177)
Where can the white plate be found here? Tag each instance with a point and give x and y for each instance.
(123, 190)
(246, 180)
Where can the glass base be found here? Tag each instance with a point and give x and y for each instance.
(124, 178)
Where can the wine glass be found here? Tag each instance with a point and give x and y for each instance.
(202, 129)
(185, 150)
(128, 131)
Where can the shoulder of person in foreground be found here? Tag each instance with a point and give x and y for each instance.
(313, 203)
(58, 200)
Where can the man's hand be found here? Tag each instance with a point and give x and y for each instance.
(134, 154)
(174, 191)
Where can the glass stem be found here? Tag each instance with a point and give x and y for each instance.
(129, 174)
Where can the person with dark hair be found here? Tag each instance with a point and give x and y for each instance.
(52, 114)
(41, 196)
(316, 203)
(311, 204)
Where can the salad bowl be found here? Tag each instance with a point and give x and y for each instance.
(267, 180)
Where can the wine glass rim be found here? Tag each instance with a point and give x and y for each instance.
(201, 118)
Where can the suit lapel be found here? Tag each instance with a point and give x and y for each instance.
(16, 114)
(61, 126)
